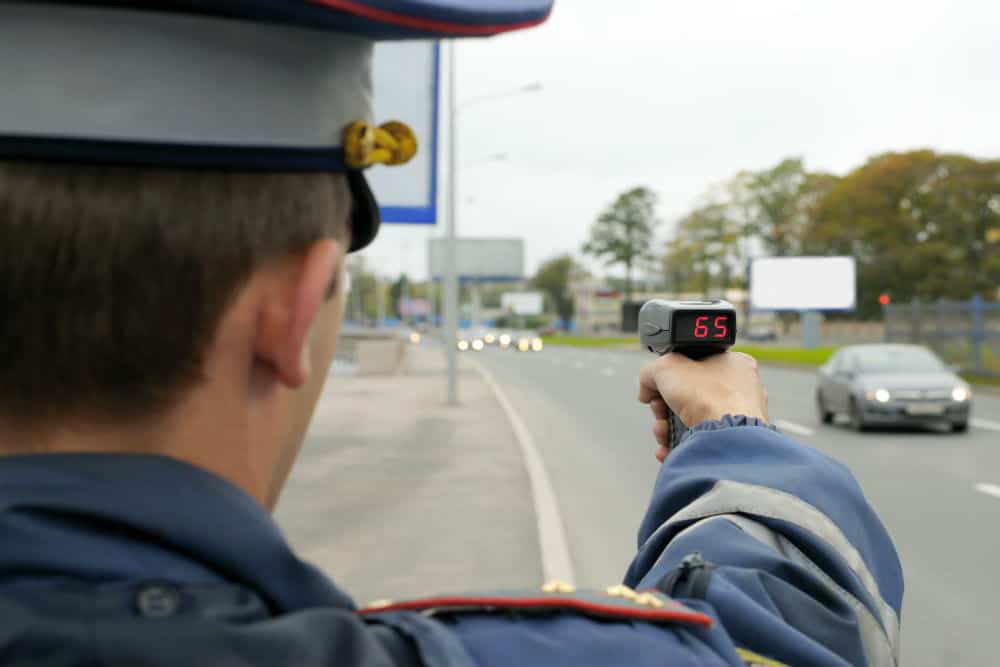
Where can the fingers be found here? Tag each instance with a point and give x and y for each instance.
(660, 371)
(661, 453)
(661, 431)
(659, 408)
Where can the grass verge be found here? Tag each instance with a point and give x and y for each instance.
(788, 355)
(982, 380)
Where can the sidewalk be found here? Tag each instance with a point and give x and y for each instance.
(398, 495)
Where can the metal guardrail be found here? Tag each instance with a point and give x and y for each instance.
(966, 333)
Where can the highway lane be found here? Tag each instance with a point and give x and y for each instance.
(933, 490)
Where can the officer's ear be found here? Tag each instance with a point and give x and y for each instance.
(293, 297)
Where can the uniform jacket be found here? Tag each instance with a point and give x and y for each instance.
(754, 550)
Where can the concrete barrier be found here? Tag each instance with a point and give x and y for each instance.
(373, 353)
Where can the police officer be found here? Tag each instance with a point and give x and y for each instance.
(179, 184)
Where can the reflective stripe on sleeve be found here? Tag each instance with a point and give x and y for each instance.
(874, 638)
(728, 497)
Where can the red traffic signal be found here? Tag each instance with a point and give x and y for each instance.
(884, 299)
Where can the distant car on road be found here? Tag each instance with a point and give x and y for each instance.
(526, 341)
(892, 384)
(761, 332)
(470, 339)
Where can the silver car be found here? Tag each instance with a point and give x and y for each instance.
(892, 384)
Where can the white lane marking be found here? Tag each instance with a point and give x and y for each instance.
(577, 365)
(607, 372)
(792, 427)
(556, 361)
(988, 489)
(987, 424)
(556, 563)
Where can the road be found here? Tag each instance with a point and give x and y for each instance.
(938, 493)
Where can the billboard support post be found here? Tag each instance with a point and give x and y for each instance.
(477, 304)
(809, 324)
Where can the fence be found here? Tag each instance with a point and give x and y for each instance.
(840, 332)
(965, 333)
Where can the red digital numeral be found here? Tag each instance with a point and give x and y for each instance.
(700, 330)
(721, 329)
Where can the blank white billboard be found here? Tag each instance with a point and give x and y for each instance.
(497, 260)
(803, 283)
(522, 303)
(405, 77)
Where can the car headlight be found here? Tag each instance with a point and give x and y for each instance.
(523, 345)
(463, 345)
(961, 394)
(414, 337)
(477, 345)
(880, 395)
(537, 345)
(489, 339)
(505, 339)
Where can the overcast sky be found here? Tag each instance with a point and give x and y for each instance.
(680, 95)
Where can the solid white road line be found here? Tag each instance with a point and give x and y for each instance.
(607, 372)
(986, 423)
(792, 427)
(556, 563)
(577, 365)
(988, 489)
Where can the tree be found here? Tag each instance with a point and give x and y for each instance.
(917, 224)
(397, 292)
(362, 301)
(554, 277)
(777, 204)
(623, 232)
(706, 246)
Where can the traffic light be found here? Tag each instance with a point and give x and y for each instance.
(884, 299)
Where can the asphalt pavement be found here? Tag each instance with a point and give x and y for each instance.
(938, 493)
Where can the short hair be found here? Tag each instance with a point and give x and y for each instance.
(113, 279)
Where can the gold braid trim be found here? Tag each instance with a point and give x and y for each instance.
(391, 143)
(756, 660)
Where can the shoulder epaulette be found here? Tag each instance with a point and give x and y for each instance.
(615, 602)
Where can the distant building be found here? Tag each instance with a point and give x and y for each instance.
(599, 308)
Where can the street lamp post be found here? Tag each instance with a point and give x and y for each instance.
(450, 278)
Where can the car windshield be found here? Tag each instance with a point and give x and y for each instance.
(892, 359)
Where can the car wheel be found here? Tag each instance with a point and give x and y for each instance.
(857, 419)
(959, 427)
(825, 415)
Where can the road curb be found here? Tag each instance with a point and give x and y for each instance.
(556, 562)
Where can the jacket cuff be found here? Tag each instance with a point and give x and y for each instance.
(730, 421)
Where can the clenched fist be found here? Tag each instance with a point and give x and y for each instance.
(698, 391)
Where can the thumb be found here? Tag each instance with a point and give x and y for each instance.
(656, 378)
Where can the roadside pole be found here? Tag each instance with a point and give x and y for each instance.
(450, 282)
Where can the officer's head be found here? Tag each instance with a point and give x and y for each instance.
(129, 294)
(178, 189)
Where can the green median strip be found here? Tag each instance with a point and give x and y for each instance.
(788, 355)
(982, 380)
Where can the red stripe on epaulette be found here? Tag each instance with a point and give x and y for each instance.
(419, 23)
(679, 614)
